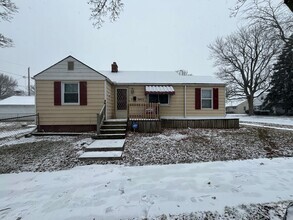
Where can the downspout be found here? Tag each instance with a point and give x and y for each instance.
(105, 97)
(185, 101)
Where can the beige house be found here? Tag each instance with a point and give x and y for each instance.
(70, 94)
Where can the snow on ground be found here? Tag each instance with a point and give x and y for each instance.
(119, 192)
(265, 126)
(280, 120)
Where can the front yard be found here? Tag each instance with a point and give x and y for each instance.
(182, 146)
(169, 147)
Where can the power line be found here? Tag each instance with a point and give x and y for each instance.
(12, 62)
(10, 73)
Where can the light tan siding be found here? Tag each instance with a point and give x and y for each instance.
(110, 100)
(68, 114)
(138, 92)
(190, 103)
(176, 103)
(175, 108)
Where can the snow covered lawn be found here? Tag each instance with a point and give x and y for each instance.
(275, 120)
(121, 192)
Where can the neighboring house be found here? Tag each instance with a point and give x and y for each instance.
(277, 110)
(239, 105)
(236, 106)
(16, 106)
(69, 95)
(259, 100)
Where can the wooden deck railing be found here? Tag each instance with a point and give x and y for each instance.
(100, 118)
(138, 111)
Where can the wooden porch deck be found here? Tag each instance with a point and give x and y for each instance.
(147, 117)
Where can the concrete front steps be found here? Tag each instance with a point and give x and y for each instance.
(109, 144)
(112, 129)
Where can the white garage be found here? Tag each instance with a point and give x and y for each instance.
(17, 106)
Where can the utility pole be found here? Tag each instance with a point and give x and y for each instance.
(28, 82)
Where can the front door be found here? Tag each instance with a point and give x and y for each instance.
(121, 103)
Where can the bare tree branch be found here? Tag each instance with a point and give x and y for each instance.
(275, 18)
(7, 9)
(103, 8)
(5, 42)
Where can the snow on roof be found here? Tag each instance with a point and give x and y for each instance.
(157, 77)
(234, 102)
(18, 100)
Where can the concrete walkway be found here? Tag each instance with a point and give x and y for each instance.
(104, 149)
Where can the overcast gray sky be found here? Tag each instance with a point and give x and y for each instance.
(150, 35)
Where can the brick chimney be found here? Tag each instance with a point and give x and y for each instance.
(114, 67)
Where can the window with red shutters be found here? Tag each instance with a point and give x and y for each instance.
(207, 98)
(69, 93)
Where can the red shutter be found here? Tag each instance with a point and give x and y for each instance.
(57, 93)
(215, 98)
(197, 98)
(83, 93)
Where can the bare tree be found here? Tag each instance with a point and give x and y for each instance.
(7, 9)
(7, 86)
(244, 61)
(275, 18)
(104, 8)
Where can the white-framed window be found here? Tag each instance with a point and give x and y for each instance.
(70, 93)
(159, 98)
(207, 98)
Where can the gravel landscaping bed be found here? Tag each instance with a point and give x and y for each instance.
(169, 147)
(40, 154)
(202, 145)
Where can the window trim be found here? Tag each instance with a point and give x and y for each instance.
(164, 104)
(63, 90)
(211, 99)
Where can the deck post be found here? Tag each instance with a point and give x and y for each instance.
(98, 123)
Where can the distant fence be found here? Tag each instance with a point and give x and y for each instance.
(14, 128)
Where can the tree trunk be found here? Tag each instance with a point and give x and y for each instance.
(250, 104)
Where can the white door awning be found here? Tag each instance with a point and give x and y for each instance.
(159, 90)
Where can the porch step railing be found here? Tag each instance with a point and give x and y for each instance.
(138, 111)
(101, 118)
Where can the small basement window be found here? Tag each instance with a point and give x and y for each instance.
(70, 93)
(70, 65)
